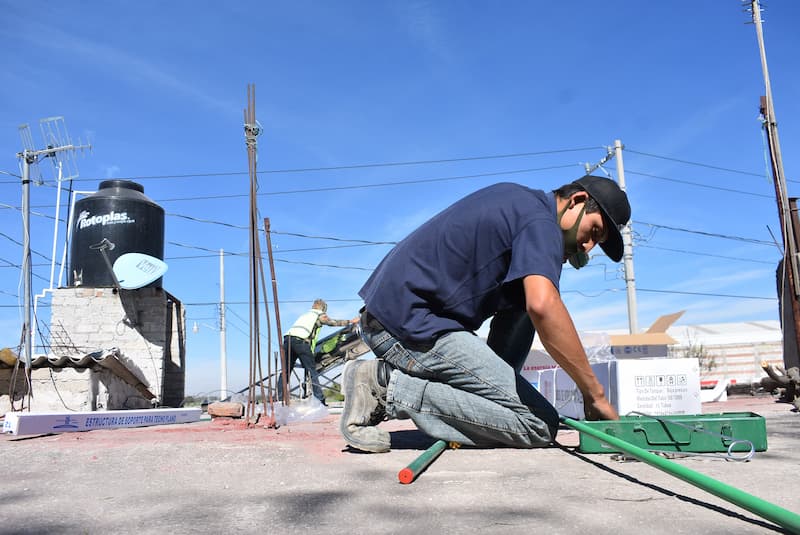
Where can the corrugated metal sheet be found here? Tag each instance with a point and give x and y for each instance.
(105, 358)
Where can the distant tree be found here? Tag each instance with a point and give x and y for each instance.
(694, 349)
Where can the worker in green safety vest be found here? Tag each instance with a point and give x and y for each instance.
(300, 341)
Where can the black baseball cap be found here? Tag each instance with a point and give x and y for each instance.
(615, 207)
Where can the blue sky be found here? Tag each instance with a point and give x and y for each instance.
(479, 92)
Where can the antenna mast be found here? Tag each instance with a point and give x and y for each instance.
(60, 149)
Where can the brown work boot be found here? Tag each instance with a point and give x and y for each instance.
(364, 407)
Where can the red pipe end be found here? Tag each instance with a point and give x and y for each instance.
(405, 476)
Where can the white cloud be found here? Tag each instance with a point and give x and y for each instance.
(125, 65)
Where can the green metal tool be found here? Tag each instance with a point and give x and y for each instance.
(409, 473)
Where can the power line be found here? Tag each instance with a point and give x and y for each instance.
(367, 242)
(354, 166)
(287, 261)
(709, 234)
(19, 209)
(704, 294)
(371, 186)
(6, 236)
(422, 181)
(409, 163)
(362, 242)
(321, 265)
(696, 184)
(214, 253)
(706, 254)
(687, 162)
(13, 265)
(303, 249)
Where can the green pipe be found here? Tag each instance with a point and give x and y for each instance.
(409, 473)
(762, 508)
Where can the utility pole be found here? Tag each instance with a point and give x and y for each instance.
(627, 238)
(788, 230)
(223, 351)
(627, 255)
(771, 126)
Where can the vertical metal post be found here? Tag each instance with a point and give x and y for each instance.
(27, 269)
(223, 351)
(284, 377)
(627, 255)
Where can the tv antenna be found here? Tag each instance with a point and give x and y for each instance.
(60, 149)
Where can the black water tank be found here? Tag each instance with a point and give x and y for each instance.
(121, 213)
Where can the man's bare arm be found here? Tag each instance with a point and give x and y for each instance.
(560, 339)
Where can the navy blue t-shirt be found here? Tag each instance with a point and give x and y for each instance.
(466, 263)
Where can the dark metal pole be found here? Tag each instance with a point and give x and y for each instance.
(284, 377)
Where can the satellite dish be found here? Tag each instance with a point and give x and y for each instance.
(136, 270)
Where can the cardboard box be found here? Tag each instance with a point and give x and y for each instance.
(603, 347)
(536, 362)
(651, 343)
(597, 346)
(560, 390)
(650, 386)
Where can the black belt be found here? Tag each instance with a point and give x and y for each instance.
(305, 341)
(370, 321)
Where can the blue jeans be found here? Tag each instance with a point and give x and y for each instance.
(461, 390)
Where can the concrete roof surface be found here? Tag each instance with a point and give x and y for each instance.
(221, 477)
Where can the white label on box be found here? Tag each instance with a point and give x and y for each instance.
(658, 386)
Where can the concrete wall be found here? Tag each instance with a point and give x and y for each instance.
(148, 327)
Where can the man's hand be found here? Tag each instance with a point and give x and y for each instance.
(560, 339)
(599, 409)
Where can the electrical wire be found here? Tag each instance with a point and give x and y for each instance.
(351, 166)
(9, 238)
(687, 162)
(370, 186)
(709, 234)
(705, 294)
(331, 238)
(322, 265)
(684, 251)
(697, 184)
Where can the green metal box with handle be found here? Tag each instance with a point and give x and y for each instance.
(696, 433)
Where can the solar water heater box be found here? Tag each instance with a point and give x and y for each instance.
(695, 433)
(653, 386)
